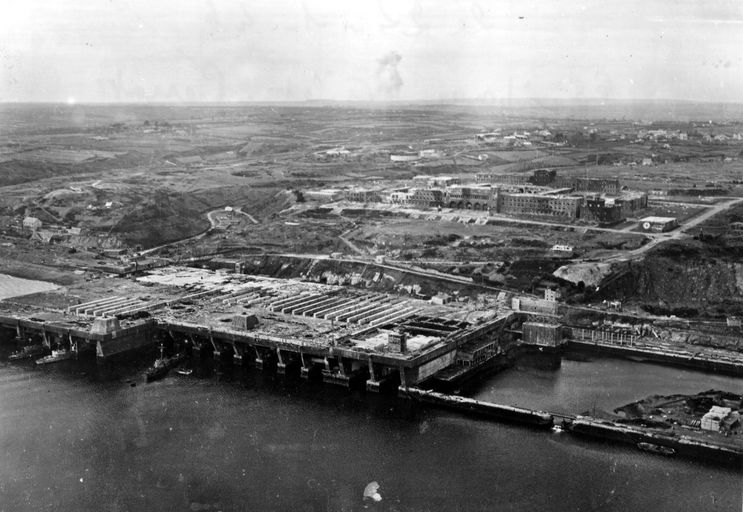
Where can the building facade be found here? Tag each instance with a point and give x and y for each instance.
(540, 205)
(598, 209)
(470, 198)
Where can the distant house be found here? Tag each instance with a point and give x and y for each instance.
(647, 161)
(32, 223)
(441, 298)
(404, 156)
(562, 248)
(734, 321)
(552, 295)
(323, 196)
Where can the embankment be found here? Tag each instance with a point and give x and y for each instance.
(353, 273)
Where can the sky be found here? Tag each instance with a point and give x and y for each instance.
(369, 50)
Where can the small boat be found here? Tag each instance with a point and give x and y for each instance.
(184, 371)
(655, 448)
(162, 366)
(158, 371)
(371, 492)
(27, 352)
(56, 356)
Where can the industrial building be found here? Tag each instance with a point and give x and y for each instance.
(718, 418)
(518, 195)
(543, 177)
(32, 223)
(540, 205)
(470, 197)
(511, 179)
(601, 210)
(542, 334)
(426, 197)
(435, 181)
(363, 195)
(327, 195)
(605, 186)
(632, 202)
(336, 334)
(658, 224)
(404, 156)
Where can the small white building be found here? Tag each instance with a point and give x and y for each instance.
(562, 248)
(404, 156)
(32, 223)
(714, 418)
(658, 224)
(327, 195)
(552, 295)
(441, 298)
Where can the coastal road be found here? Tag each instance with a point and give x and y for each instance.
(678, 233)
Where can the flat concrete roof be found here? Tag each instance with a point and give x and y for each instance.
(659, 220)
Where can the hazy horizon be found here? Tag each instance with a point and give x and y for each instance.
(412, 101)
(135, 51)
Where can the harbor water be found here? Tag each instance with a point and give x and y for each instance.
(580, 382)
(76, 438)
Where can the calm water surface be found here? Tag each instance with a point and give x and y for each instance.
(71, 441)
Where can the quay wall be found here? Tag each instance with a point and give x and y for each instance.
(659, 356)
(683, 446)
(539, 419)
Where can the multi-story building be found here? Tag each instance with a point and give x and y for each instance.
(469, 197)
(426, 197)
(540, 205)
(401, 197)
(423, 181)
(631, 203)
(491, 177)
(543, 177)
(603, 185)
(363, 195)
(600, 210)
(327, 195)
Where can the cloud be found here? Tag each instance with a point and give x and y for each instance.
(389, 80)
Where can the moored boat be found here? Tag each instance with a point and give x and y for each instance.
(162, 366)
(27, 352)
(655, 448)
(55, 356)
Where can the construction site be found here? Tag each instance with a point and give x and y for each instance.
(333, 332)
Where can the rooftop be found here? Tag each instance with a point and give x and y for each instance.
(659, 220)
